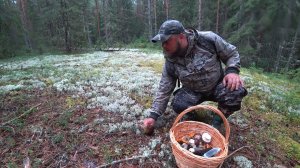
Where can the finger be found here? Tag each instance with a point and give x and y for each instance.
(224, 81)
(238, 83)
(146, 123)
(233, 85)
(229, 83)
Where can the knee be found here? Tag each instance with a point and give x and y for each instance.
(178, 106)
(183, 99)
(232, 101)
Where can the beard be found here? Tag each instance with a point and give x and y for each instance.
(179, 52)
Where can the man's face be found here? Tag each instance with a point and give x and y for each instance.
(172, 46)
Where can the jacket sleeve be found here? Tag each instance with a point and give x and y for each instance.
(227, 52)
(166, 86)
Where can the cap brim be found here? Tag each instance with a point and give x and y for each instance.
(160, 37)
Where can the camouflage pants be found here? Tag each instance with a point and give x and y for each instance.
(228, 101)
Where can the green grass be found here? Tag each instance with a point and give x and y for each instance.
(64, 119)
(271, 102)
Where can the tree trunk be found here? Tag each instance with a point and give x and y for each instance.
(199, 14)
(240, 13)
(49, 23)
(155, 16)
(25, 23)
(279, 52)
(217, 20)
(149, 20)
(98, 17)
(166, 3)
(86, 23)
(66, 25)
(293, 50)
(105, 19)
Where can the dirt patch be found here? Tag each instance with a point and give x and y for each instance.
(60, 131)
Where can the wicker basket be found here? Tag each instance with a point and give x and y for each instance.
(186, 159)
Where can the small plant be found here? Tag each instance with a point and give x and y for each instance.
(10, 142)
(80, 120)
(56, 139)
(12, 164)
(64, 119)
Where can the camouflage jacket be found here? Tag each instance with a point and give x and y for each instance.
(199, 70)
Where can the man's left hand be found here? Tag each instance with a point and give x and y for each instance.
(233, 81)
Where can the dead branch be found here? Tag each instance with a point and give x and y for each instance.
(234, 153)
(125, 160)
(112, 49)
(22, 115)
(13, 130)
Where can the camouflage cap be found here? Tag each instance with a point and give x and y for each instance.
(168, 28)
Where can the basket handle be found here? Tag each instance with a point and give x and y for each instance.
(206, 107)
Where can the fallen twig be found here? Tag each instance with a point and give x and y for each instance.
(125, 160)
(24, 114)
(13, 130)
(234, 153)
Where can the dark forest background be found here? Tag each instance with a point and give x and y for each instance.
(266, 32)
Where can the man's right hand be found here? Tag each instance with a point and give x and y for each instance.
(148, 126)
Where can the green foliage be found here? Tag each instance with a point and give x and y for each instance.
(294, 75)
(64, 118)
(58, 138)
(18, 122)
(10, 142)
(12, 164)
(81, 119)
(258, 28)
(291, 147)
(37, 162)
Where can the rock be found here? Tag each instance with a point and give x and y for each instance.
(137, 132)
(239, 120)
(278, 166)
(98, 121)
(89, 164)
(243, 162)
(83, 128)
(154, 142)
(268, 165)
(161, 154)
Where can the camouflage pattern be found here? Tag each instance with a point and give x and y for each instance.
(228, 101)
(199, 71)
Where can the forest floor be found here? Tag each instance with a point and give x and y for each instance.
(84, 110)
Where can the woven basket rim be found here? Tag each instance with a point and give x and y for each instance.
(185, 158)
(186, 152)
(206, 107)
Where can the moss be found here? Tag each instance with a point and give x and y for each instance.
(291, 147)
(64, 119)
(253, 101)
(72, 102)
(47, 81)
(145, 101)
(155, 65)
